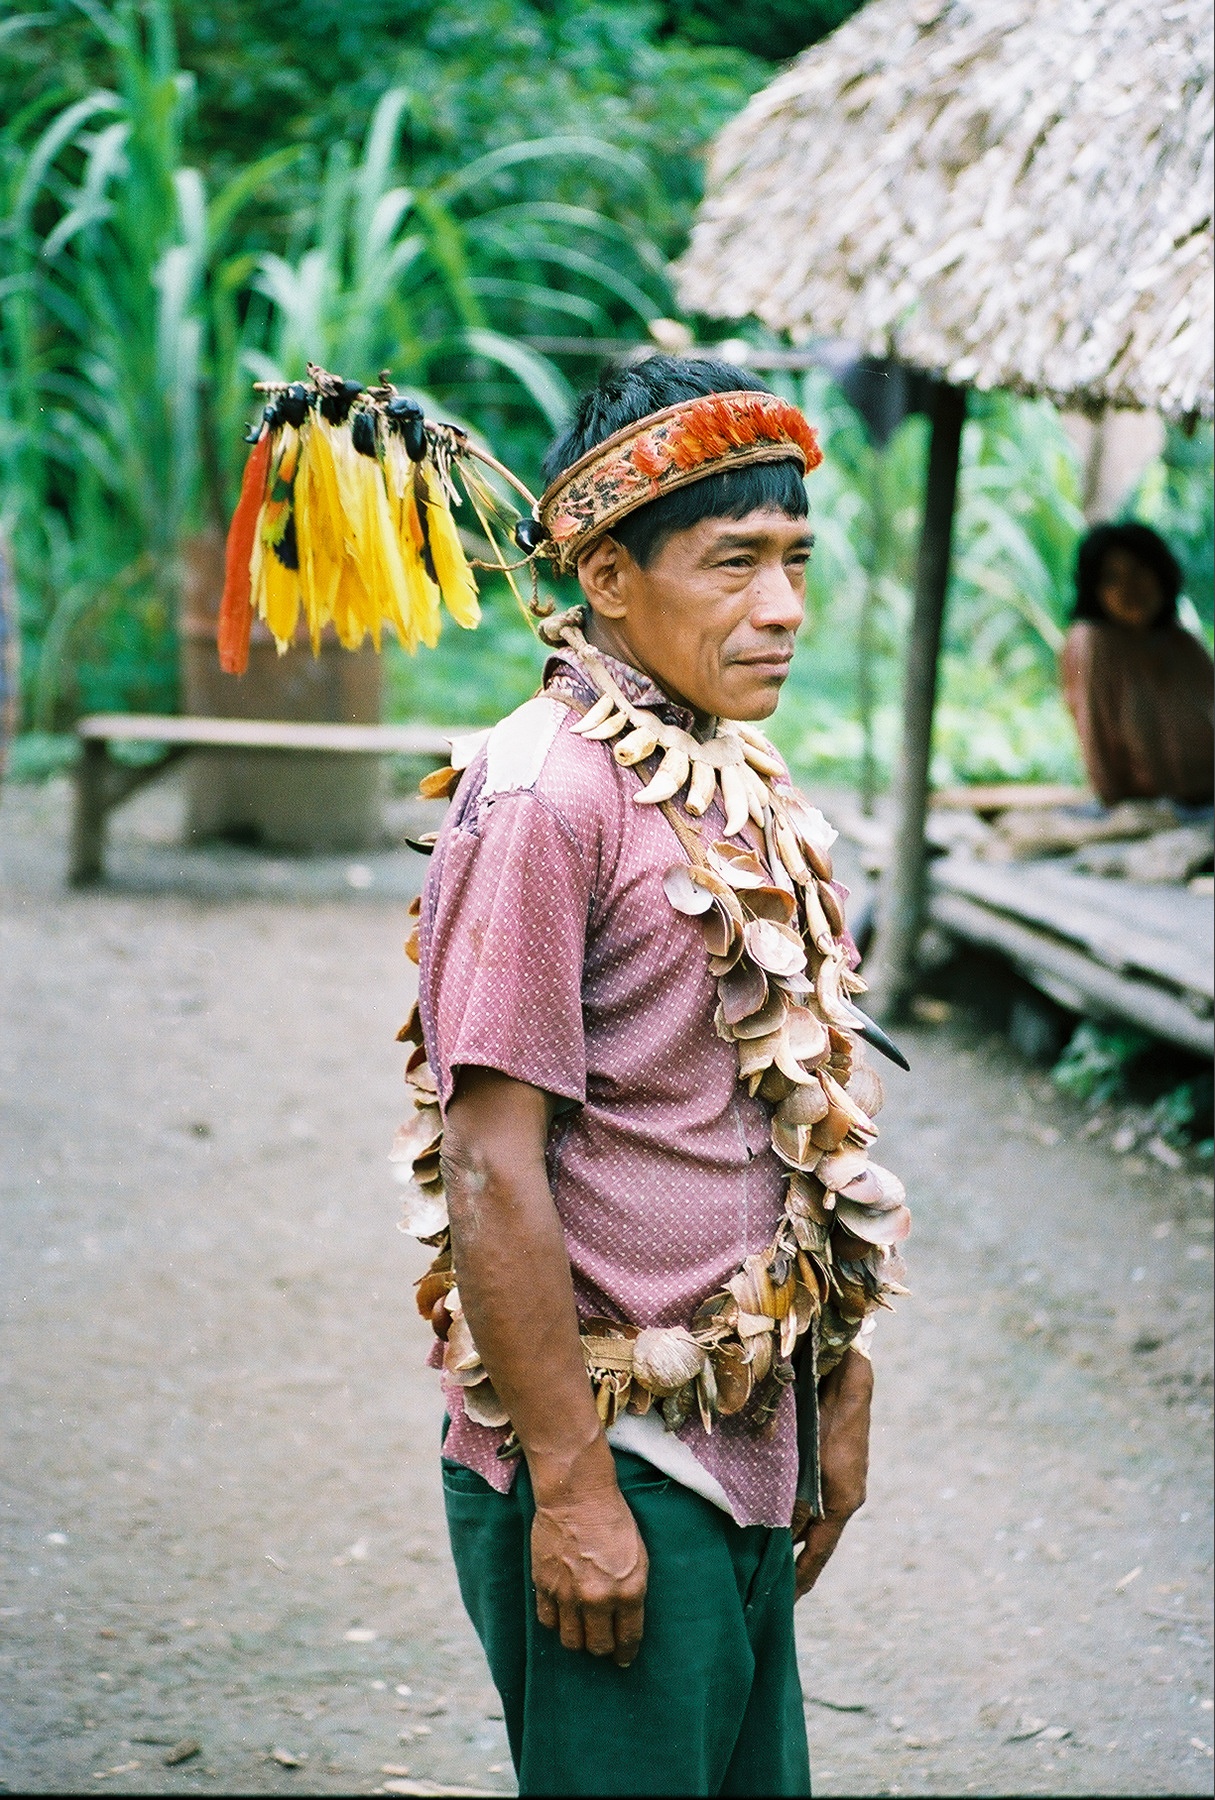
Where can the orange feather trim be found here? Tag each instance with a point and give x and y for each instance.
(713, 426)
(235, 609)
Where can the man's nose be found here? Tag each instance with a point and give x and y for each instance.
(775, 601)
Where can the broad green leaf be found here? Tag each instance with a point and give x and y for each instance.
(541, 378)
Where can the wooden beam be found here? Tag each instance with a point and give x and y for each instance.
(901, 901)
(265, 734)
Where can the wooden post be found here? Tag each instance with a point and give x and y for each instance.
(901, 902)
(87, 853)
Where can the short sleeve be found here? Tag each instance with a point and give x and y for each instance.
(504, 925)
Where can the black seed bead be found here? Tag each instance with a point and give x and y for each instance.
(293, 405)
(336, 407)
(362, 432)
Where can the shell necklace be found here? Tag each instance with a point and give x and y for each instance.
(734, 760)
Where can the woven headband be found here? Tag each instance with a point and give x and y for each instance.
(665, 451)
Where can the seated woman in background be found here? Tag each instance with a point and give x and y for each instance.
(1140, 687)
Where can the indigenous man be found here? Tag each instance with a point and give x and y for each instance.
(654, 1205)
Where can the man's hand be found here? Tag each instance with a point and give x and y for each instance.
(589, 1567)
(844, 1399)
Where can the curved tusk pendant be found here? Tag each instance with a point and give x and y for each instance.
(816, 921)
(702, 788)
(609, 729)
(763, 760)
(790, 852)
(671, 775)
(873, 1034)
(757, 799)
(636, 747)
(598, 715)
(734, 799)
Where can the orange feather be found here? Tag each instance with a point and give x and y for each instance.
(235, 609)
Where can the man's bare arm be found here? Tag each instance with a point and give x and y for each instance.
(589, 1564)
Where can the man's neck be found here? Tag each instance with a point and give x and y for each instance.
(606, 637)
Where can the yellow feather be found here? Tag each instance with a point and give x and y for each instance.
(282, 598)
(318, 528)
(421, 610)
(456, 582)
(424, 611)
(351, 605)
(391, 591)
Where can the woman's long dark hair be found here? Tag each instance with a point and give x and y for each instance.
(1147, 547)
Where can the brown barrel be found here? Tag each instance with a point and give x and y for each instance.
(293, 800)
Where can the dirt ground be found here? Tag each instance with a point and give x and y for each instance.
(221, 1515)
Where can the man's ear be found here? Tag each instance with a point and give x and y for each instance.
(603, 577)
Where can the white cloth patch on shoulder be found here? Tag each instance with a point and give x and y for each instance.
(519, 744)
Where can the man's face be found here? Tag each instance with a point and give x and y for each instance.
(712, 618)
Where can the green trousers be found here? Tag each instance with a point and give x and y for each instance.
(712, 1704)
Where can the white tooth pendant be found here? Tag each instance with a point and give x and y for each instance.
(735, 759)
(609, 728)
(701, 788)
(672, 772)
(734, 799)
(602, 710)
(636, 746)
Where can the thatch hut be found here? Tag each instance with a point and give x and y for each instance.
(1014, 193)
(1008, 193)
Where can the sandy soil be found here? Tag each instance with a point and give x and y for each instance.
(220, 1514)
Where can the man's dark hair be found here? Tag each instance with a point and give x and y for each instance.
(1146, 546)
(623, 396)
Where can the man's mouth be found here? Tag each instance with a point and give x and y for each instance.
(775, 664)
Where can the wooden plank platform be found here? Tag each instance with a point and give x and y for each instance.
(1003, 796)
(1116, 948)
(1157, 930)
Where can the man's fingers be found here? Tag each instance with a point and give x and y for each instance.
(546, 1610)
(597, 1625)
(630, 1621)
(570, 1628)
(821, 1538)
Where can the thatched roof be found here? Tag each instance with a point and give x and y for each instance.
(1015, 193)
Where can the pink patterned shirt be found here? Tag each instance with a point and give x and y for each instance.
(549, 952)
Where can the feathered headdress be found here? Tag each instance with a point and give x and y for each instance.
(345, 519)
(345, 512)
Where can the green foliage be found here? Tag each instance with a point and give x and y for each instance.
(776, 29)
(1176, 495)
(480, 74)
(437, 284)
(115, 283)
(1100, 1064)
(423, 188)
(1000, 715)
(134, 310)
(1095, 1064)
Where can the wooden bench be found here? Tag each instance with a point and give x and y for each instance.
(103, 784)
